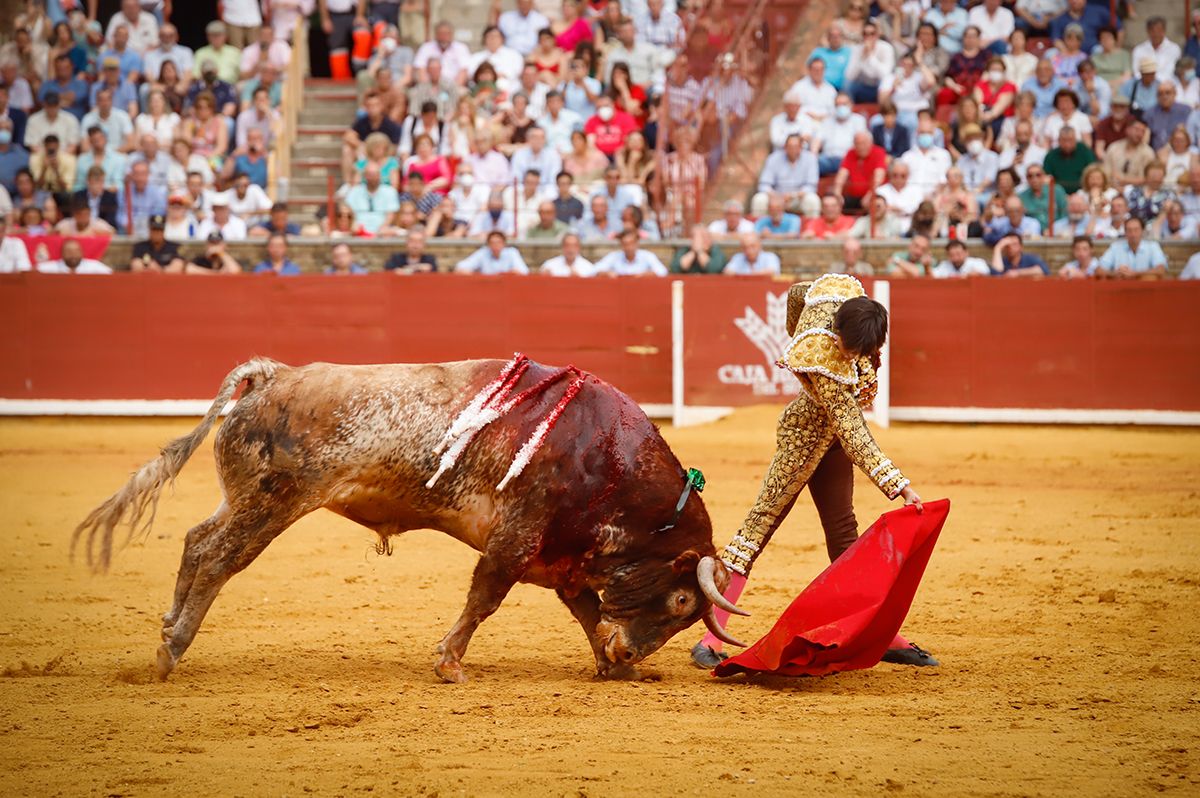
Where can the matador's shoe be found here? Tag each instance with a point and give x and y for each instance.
(707, 658)
(913, 655)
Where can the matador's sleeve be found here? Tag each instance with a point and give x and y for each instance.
(795, 305)
(846, 418)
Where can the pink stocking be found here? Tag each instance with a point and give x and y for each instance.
(899, 641)
(737, 584)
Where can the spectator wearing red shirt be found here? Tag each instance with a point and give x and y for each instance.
(832, 224)
(608, 127)
(863, 169)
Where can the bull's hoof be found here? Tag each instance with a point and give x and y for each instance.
(164, 662)
(168, 618)
(628, 673)
(450, 672)
(166, 633)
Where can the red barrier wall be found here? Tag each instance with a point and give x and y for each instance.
(976, 343)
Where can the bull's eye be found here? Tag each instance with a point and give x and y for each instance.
(681, 603)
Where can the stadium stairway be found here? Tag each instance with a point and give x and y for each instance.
(329, 108)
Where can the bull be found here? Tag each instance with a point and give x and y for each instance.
(585, 518)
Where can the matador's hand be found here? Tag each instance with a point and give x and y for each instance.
(911, 497)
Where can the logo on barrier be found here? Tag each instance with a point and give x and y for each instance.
(770, 336)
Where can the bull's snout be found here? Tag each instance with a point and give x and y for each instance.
(618, 650)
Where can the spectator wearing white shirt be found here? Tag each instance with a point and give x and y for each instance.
(1026, 151)
(169, 49)
(901, 195)
(658, 26)
(907, 88)
(52, 120)
(115, 122)
(468, 194)
(817, 96)
(629, 260)
(927, 162)
(73, 262)
(752, 259)
(142, 26)
(995, 23)
(534, 154)
(792, 121)
(643, 58)
(870, 63)
(453, 55)
(243, 19)
(507, 62)
(570, 263)
(266, 51)
(247, 200)
(732, 222)
(14, 256)
(520, 26)
(495, 257)
(1157, 47)
(836, 135)
(559, 123)
(978, 164)
(959, 264)
(523, 201)
(222, 221)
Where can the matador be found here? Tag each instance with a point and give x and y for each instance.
(836, 335)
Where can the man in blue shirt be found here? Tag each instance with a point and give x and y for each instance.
(13, 157)
(752, 259)
(129, 62)
(1087, 16)
(72, 92)
(777, 223)
(99, 154)
(1010, 259)
(836, 56)
(1014, 221)
(374, 202)
(495, 257)
(1043, 86)
(1132, 257)
(950, 20)
(629, 260)
(277, 261)
(791, 172)
(144, 200)
(124, 92)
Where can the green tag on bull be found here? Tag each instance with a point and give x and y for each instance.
(693, 480)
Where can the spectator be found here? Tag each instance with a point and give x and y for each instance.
(102, 202)
(491, 219)
(1118, 214)
(1013, 222)
(1077, 222)
(1114, 64)
(141, 28)
(1173, 225)
(73, 262)
(700, 255)
(1066, 162)
(221, 220)
(732, 222)
(1022, 108)
(568, 209)
(1088, 16)
(635, 161)
(115, 122)
(1095, 189)
(915, 261)
(817, 95)
(140, 200)
(995, 24)
(791, 121)
(831, 223)
(247, 200)
(641, 57)
(1084, 264)
(1178, 155)
(1067, 57)
(959, 264)
(168, 49)
(878, 222)
(113, 163)
(1019, 63)
(683, 93)
(777, 223)
(1147, 200)
(14, 255)
(373, 121)
(215, 260)
(53, 170)
(82, 223)
(1157, 47)
(520, 26)
(181, 224)
(1095, 95)
(453, 56)
(608, 128)
(950, 22)
(156, 253)
(570, 263)
(927, 162)
(584, 163)
(1067, 114)
(277, 261)
(1010, 259)
(267, 51)
(930, 59)
(1132, 257)
(13, 157)
(341, 260)
(580, 91)
(1037, 194)
(752, 259)
(1125, 161)
(224, 56)
(659, 27)
(900, 195)
(278, 222)
(129, 61)
(373, 202)
(207, 130)
(1189, 197)
(1112, 128)
(618, 196)
(978, 164)
(630, 260)
(852, 261)
(1044, 86)
(537, 156)
(51, 121)
(559, 123)
(1024, 153)
(837, 134)
(836, 55)
(954, 203)
(1142, 90)
(488, 164)
(435, 85)
(506, 61)
(414, 259)
(870, 63)
(888, 134)
(1191, 271)
(158, 120)
(250, 160)
(1166, 115)
(72, 91)
(791, 172)
(495, 257)
(20, 94)
(433, 168)
(547, 225)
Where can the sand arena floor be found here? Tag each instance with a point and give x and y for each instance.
(1062, 601)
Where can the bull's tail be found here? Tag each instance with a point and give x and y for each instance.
(138, 498)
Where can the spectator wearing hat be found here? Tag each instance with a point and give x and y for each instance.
(156, 253)
(1142, 89)
(124, 92)
(1010, 259)
(277, 261)
(214, 260)
(53, 168)
(72, 261)
(82, 223)
(1165, 115)
(139, 200)
(181, 224)
(1066, 162)
(494, 257)
(225, 57)
(278, 222)
(960, 264)
(129, 60)
(1157, 48)
(1088, 16)
(52, 120)
(222, 220)
(141, 27)
(102, 201)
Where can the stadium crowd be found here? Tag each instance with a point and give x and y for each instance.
(592, 121)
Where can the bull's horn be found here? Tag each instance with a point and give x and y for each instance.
(708, 584)
(718, 631)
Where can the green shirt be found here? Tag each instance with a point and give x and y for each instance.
(228, 60)
(1068, 171)
(1039, 207)
(1111, 66)
(553, 232)
(716, 261)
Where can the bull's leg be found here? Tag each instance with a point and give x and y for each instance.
(220, 555)
(192, 547)
(493, 578)
(586, 609)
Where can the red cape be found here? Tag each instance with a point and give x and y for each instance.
(847, 617)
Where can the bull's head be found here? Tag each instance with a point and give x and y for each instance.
(646, 604)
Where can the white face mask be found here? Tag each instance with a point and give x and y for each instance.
(467, 180)
(605, 113)
(975, 146)
(996, 76)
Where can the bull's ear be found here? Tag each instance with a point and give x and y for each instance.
(686, 562)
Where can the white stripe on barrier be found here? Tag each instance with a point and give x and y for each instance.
(1024, 415)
